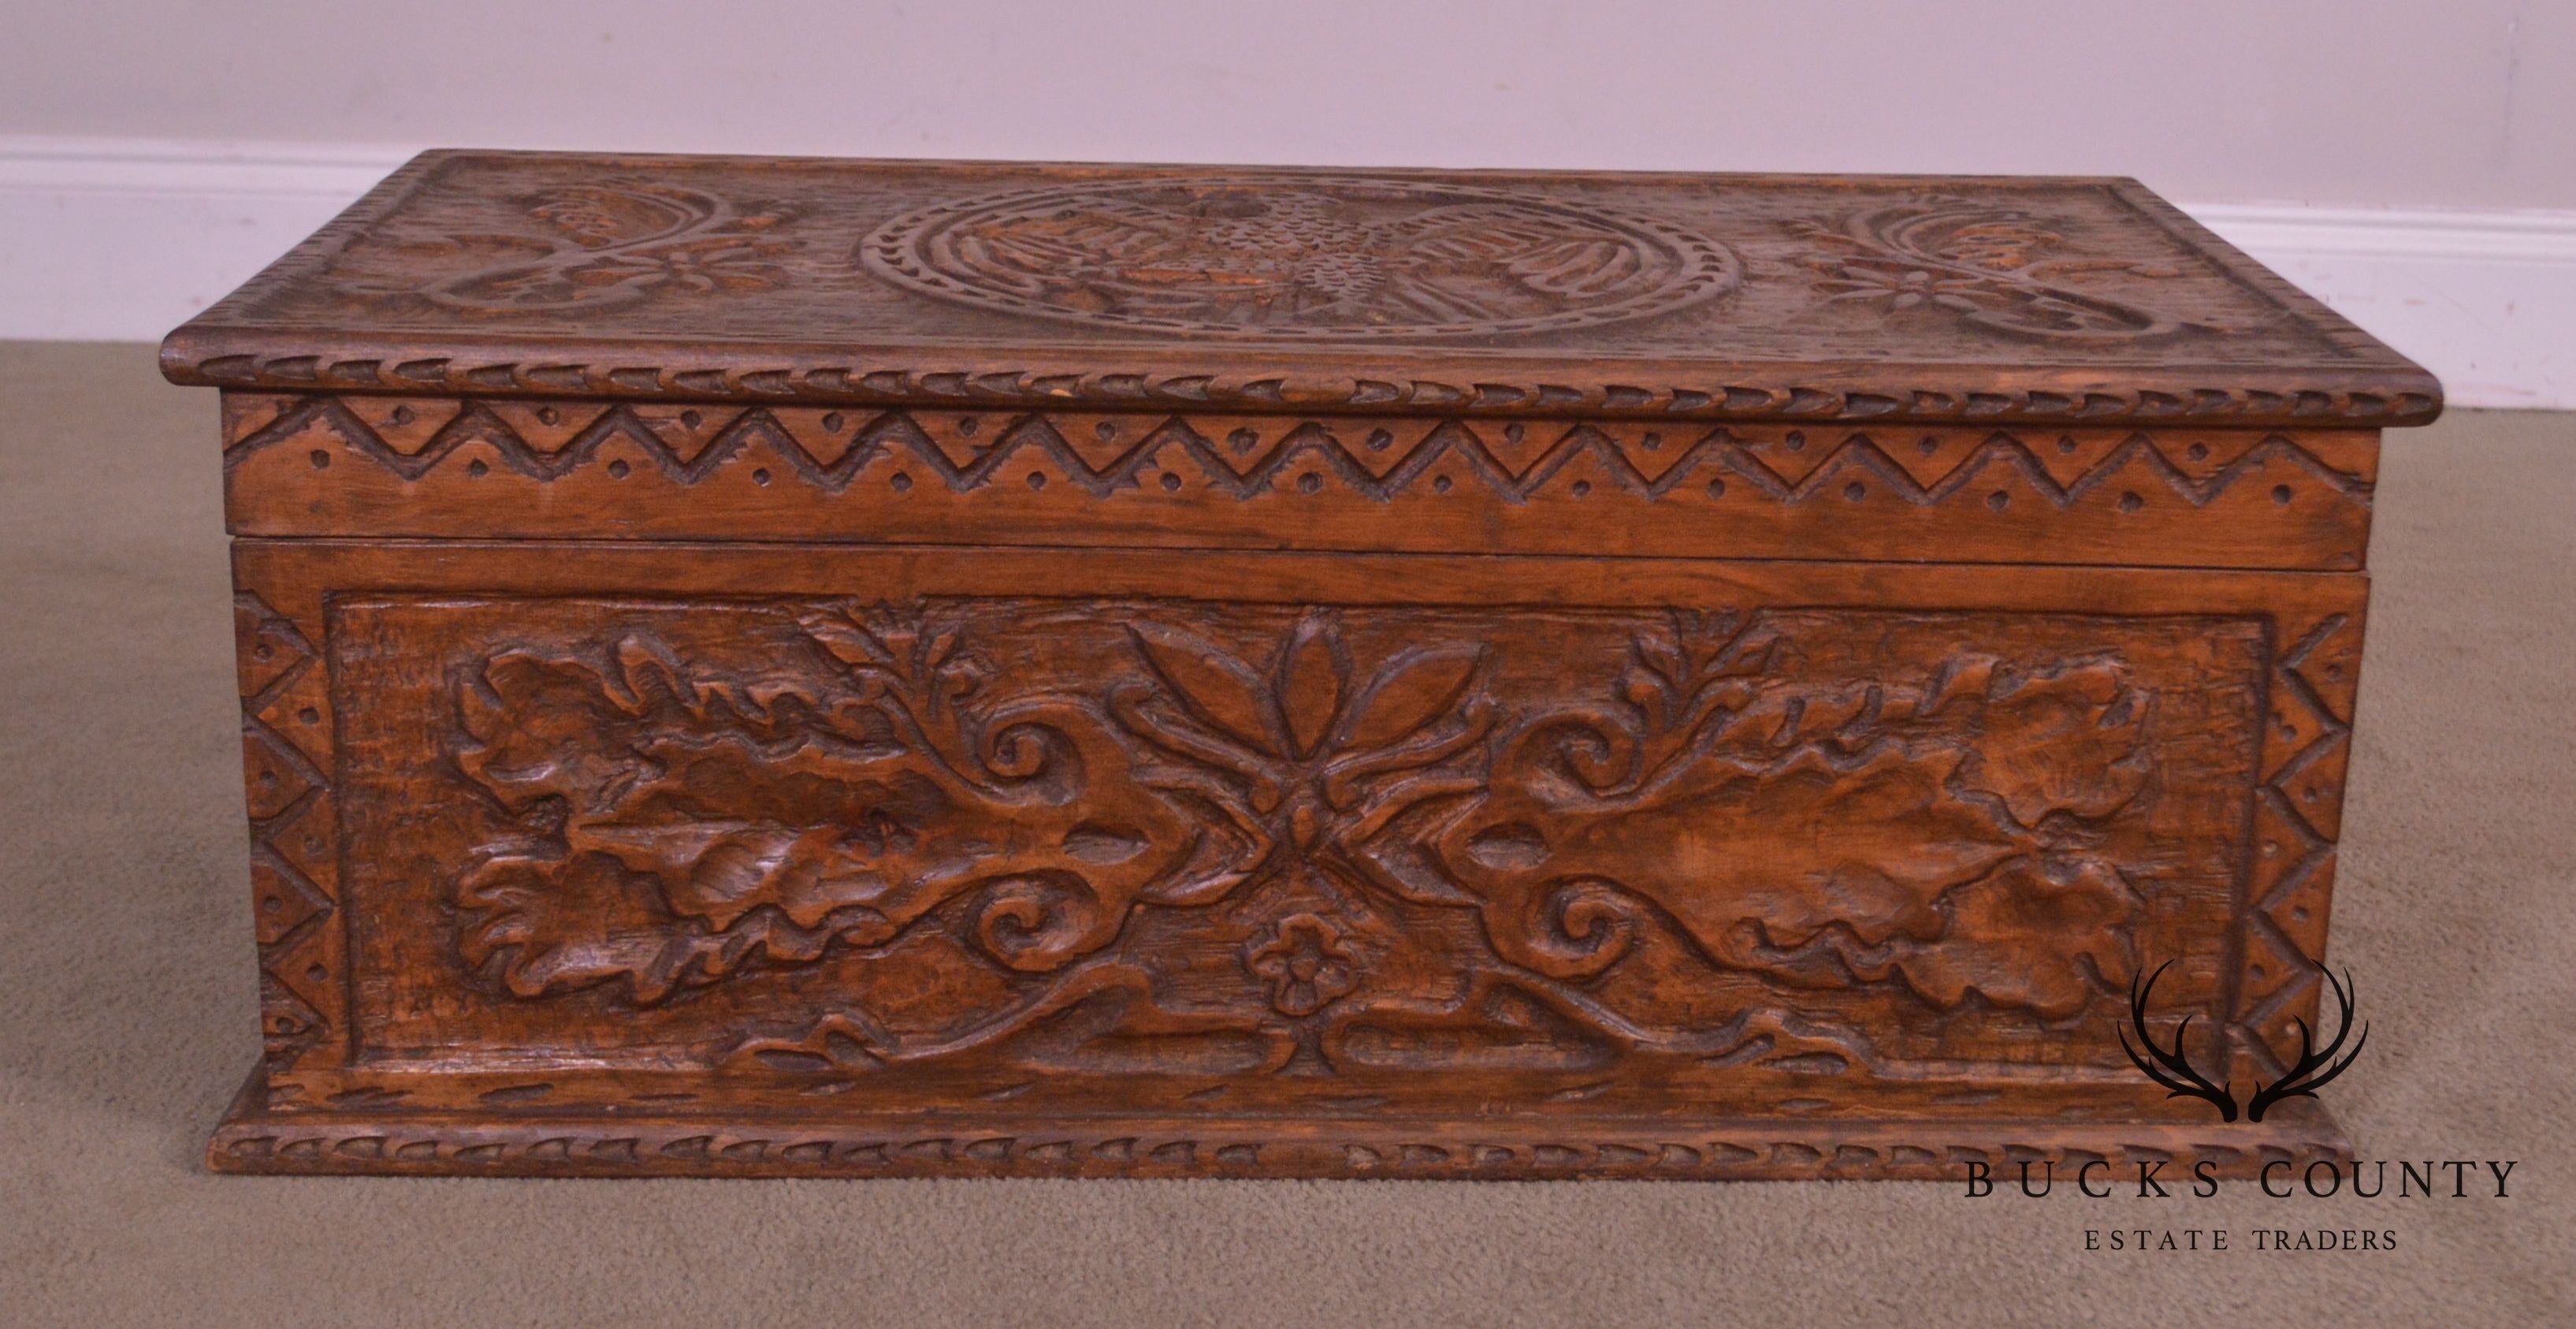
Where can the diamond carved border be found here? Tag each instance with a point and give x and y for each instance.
(294, 837)
(2298, 815)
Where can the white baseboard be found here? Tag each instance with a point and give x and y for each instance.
(2486, 300)
(123, 239)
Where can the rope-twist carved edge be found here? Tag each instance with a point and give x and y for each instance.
(841, 384)
(692, 1149)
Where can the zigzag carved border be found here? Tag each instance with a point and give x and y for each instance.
(2298, 814)
(833, 450)
(286, 756)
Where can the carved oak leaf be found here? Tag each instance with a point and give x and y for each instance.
(1909, 801)
(2024, 936)
(729, 829)
(773, 819)
(550, 726)
(2072, 739)
(550, 924)
(1881, 841)
(555, 749)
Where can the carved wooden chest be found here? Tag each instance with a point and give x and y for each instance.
(871, 669)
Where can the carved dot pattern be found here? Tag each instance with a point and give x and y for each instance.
(2309, 742)
(1304, 456)
(293, 875)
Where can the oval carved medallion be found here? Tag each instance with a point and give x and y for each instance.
(1300, 256)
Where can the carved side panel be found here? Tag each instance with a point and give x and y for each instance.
(1182, 856)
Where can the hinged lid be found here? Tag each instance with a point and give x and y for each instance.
(962, 285)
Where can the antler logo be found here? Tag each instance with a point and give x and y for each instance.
(2172, 1068)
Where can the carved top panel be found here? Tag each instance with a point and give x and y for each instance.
(910, 283)
(1318, 258)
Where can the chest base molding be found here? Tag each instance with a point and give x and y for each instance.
(736, 1143)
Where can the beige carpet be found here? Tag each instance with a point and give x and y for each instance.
(125, 979)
